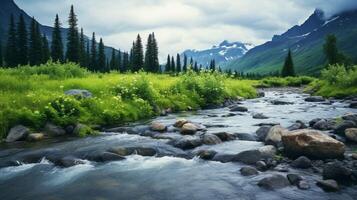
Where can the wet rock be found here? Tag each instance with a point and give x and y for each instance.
(259, 116)
(280, 102)
(180, 122)
(274, 135)
(105, 156)
(261, 94)
(157, 126)
(79, 93)
(206, 154)
(328, 185)
(34, 137)
(246, 137)
(237, 108)
(302, 162)
(340, 129)
(297, 125)
(313, 122)
(322, 125)
(314, 99)
(143, 151)
(211, 139)
(267, 124)
(187, 143)
(350, 117)
(70, 161)
(336, 171)
(122, 151)
(189, 129)
(353, 104)
(249, 157)
(261, 165)
(303, 185)
(17, 133)
(229, 115)
(54, 130)
(312, 143)
(294, 179)
(83, 130)
(224, 158)
(282, 168)
(262, 132)
(224, 136)
(273, 182)
(248, 171)
(354, 156)
(351, 134)
(268, 150)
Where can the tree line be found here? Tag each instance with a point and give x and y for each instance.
(26, 45)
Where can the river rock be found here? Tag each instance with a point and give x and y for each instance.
(328, 185)
(180, 122)
(246, 137)
(314, 99)
(340, 129)
(248, 171)
(224, 158)
(353, 104)
(189, 129)
(260, 116)
(268, 150)
(211, 139)
(187, 143)
(83, 130)
(297, 125)
(53, 130)
(224, 136)
(312, 143)
(17, 133)
(249, 157)
(261, 165)
(350, 117)
(35, 137)
(157, 126)
(274, 135)
(79, 93)
(262, 132)
(70, 161)
(336, 171)
(122, 151)
(351, 134)
(273, 182)
(294, 179)
(143, 151)
(302, 162)
(322, 125)
(105, 156)
(237, 108)
(312, 122)
(280, 102)
(206, 154)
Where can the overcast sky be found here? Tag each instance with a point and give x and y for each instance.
(183, 24)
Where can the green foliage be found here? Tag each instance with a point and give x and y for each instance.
(288, 68)
(288, 81)
(63, 111)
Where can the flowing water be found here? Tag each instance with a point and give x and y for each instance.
(166, 176)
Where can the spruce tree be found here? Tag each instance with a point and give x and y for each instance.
(173, 66)
(82, 49)
(155, 54)
(56, 44)
(168, 64)
(11, 47)
(119, 61)
(72, 53)
(35, 44)
(131, 58)
(101, 57)
(113, 64)
(148, 63)
(88, 52)
(288, 68)
(191, 61)
(45, 50)
(138, 55)
(1, 58)
(22, 43)
(185, 63)
(126, 62)
(93, 55)
(330, 49)
(195, 68)
(178, 63)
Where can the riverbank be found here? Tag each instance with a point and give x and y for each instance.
(55, 98)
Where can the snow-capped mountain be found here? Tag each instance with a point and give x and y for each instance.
(224, 52)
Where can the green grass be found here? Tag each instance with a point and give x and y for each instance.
(32, 96)
(284, 82)
(336, 81)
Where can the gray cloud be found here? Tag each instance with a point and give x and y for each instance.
(183, 24)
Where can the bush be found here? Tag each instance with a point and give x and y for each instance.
(288, 81)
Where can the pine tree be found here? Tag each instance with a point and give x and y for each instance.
(45, 50)
(195, 68)
(330, 49)
(1, 58)
(288, 68)
(185, 63)
(57, 45)
(72, 53)
(11, 50)
(119, 61)
(191, 61)
(168, 64)
(22, 43)
(35, 44)
(148, 63)
(113, 64)
(126, 62)
(138, 55)
(155, 54)
(93, 54)
(178, 63)
(131, 58)
(82, 49)
(88, 61)
(173, 66)
(101, 57)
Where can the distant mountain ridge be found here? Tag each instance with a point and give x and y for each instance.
(224, 52)
(8, 7)
(306, 43)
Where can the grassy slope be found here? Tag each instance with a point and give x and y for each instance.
(32, 96)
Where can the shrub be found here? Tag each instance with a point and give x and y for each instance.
(63, 111)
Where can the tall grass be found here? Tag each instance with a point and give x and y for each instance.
(33, 96)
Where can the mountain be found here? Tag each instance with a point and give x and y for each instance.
(224, 52)
(8, 7)
(306, 43)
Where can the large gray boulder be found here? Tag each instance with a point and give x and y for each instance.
(274, 135)
(336, 171)
(79, 93)
(187, 143)
(273, 182)
(351, 134)
(17, 133)
(189, 129)
(248, 171)
(53, 130)
(250, 157)
(312, 143)
(340, 129)
(262, 132)
(211, 139)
